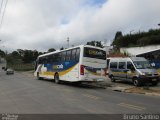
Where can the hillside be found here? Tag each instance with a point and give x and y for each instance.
(152, 37)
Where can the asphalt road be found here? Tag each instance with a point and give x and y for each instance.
(22, 93)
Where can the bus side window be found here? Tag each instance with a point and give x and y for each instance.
(46, 60)
(39, 61)
(68, 57)
(57, 57)
(50, 59)
(73, 55)
(63, 56)
(77, 54)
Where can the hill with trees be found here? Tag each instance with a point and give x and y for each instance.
(152, 37)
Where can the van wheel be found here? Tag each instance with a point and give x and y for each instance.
(56, 78)
(112, 79)
(136, 82)
(154, 83)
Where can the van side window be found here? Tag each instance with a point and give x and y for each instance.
(113, 65)
(108, 60)
(122, 65)
(129, 65)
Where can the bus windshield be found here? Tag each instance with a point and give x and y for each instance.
(94, 53)
(142, 65)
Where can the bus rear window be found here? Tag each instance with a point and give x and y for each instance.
(94, 53)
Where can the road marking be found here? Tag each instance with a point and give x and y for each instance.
(91, 96)
(132, 106)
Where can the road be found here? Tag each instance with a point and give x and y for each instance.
(22, 93)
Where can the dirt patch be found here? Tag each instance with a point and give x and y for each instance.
(142, 91)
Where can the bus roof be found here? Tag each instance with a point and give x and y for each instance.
(57, 51)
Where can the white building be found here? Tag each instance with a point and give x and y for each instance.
(138, 51)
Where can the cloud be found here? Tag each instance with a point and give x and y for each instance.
(43, 24)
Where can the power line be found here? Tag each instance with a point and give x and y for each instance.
(3, 13)
(1, 7)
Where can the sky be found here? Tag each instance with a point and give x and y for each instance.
(43, 24)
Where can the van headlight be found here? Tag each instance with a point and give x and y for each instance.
(143, 73)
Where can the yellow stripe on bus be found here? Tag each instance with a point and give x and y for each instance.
(60, 73)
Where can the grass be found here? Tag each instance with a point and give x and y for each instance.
(21, 67)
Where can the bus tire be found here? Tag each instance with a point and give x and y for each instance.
(112, 78)
(38, 78)
(136, 82)
(56, 78)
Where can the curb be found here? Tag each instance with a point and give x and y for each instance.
(152, 94)
(126, 90)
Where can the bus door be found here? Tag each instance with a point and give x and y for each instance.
(72, 64)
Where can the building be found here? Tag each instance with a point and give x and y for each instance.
(151, 53)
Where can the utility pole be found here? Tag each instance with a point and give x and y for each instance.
(68, 41)
(131, 32)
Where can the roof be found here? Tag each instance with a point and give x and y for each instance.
(127, 58)
(134, 51)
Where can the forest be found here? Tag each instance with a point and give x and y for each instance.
(151, 37)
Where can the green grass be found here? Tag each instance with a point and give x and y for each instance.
(21, 67)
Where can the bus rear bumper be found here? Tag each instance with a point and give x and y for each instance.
(94, 79)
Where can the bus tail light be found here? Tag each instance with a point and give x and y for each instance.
(81, 70)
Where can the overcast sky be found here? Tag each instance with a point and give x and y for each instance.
(44, 24)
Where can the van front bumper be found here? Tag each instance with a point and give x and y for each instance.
(149, 79)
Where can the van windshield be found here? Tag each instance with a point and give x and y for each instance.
(142, 65)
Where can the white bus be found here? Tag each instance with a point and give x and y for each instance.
(82, 63)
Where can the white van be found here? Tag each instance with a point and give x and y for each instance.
(135, 69)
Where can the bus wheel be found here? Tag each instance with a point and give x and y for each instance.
(136, 82)
(112, 79)
(56, 78)
(39, 78)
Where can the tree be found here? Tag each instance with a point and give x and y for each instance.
(51, 50)
(61, 48)
(118, 35)
(2, 53)
(95, 43)
(117, 39)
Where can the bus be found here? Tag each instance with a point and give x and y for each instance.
(82, 63)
